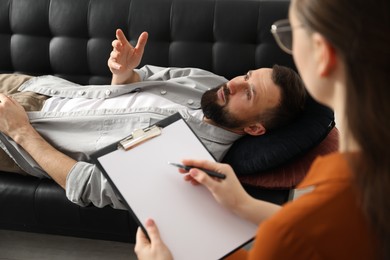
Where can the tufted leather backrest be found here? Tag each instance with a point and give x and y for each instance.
(73, 41)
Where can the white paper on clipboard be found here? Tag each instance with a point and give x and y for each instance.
(191, 223)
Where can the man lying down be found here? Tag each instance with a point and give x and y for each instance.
(65, 122)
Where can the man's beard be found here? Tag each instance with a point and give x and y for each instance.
(217, 113)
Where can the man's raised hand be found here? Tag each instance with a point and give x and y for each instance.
(124, 58)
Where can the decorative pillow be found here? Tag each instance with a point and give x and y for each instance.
(256, 154)
(289, 175)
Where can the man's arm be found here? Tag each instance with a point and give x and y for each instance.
(124, 58)
(15, 123)
(55, 163)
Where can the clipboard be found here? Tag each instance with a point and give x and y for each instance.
(191, 223)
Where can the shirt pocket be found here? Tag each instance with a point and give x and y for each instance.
(116, 128)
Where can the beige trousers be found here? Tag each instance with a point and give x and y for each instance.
(9, 84)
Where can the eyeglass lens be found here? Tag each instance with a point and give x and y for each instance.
(285, 38)
(283, 34)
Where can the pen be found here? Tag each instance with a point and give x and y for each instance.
(210, 173)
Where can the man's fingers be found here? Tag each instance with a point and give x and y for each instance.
(112, 61)
(142, 39)
(4, 98)
(114, 65)
(114, 54)
(116, 44)
(121, 37)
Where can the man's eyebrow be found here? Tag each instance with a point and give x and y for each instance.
(253, 90)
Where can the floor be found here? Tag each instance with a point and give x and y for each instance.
(16, 245)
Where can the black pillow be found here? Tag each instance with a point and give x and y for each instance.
(255, 154)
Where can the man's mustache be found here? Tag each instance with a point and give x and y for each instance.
(226, 92)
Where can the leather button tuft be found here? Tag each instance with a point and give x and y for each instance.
(190, 102)
(107, 92)
(163, 92)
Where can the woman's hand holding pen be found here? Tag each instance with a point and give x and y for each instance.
(228, 192)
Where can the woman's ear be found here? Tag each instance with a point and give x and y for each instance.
(325, 55)
(255, 129)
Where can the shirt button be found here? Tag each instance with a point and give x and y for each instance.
(190, 102)
(107, 92)
(163, 92)
(81, 92)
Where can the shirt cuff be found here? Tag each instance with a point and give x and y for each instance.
(85, 184)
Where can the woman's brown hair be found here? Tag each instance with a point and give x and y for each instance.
(359, 31)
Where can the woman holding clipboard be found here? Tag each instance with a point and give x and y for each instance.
(344, 213)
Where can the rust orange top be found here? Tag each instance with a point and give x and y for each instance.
(325, 223)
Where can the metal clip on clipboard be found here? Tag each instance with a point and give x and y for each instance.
(139, 136)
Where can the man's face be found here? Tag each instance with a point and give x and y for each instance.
(239, 102)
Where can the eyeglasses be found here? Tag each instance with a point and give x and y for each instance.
(282, 32)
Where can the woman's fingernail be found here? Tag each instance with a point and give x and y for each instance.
(149, 222)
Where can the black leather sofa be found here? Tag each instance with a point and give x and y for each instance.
(72, 39)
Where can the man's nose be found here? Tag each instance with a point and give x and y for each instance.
(236, 86)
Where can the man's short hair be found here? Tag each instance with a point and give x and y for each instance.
(292, 101)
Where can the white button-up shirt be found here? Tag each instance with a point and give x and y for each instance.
(79, 129)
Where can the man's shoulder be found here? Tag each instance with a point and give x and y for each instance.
(166, 73)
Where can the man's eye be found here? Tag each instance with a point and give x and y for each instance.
(248, 94)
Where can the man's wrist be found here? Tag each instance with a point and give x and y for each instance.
(130, 77)
(134, 77)
(22, 135)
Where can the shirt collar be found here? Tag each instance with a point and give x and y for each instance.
(208, 131)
